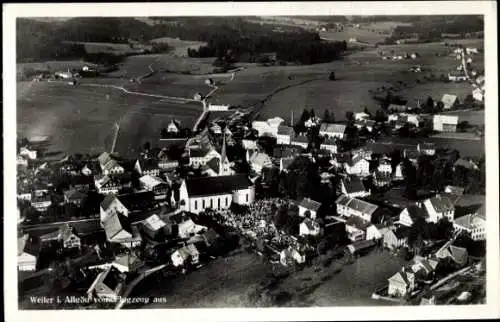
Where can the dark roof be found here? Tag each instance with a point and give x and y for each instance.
(401, 232)
(416, 212)
(148, 164)
(170, 143)
(329, 141)
(214, 164)
(301, 139)
(137, 201)
(353, 184)
(286, 151)
(310, 204)
(32, 246)
(285, 130)
(357, 222)
(112, 278)
(442, 203)
(207, 186)
(107, 201)
(75, 194)
(198, 152)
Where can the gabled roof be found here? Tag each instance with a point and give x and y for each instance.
(29, 245)
(401, 232)
(400, 277)
(448, 100)
(427, 146)
(260, 158)
(357, 158)
(310, 224)
(148, 164)
(127, 260)
(213, 164)
(468, 164)
(301, 139)
(310, 204)
(357, 222)
(66, 231)
(286, 130)
(416, 212)
(357, 204)
(115, 223)
(329, 142)
(441, 203)
(151, 180)
(198, 152)
(153, 223)
(106, 161)
(106, 202)
(74, 194)
(353, 184)
(286, 162)
(332, 128)
(207, 186)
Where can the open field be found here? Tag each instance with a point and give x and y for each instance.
(51, 66)
(436, 90)
(226, 282)
(80, 119)
(111, 48)
(360, 34)
(171, 85)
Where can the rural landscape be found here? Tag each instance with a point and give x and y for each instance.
(197, 162)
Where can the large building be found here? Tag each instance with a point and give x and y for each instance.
(197, 194)
(332, 130)
(347, 206)
(445, 123)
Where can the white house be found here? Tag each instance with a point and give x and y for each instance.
(109, 165)
(291, 254)
(471, 50)
(259, 161)
(269, 127)
(285, 135)
(474, 224)
(358, 166)
(439, 207)
(347, 206)
(27, 253)
(309, 205)
(300, 140)
(449, 101)
(26, 152)
(309, 227)
(197, 194)
(188, 228)
(384, 166)
(329, 145)
(147, 166)
(332, 130)
(173, 127)
(186, 255)
(361, 116)
(373, 233)
(199, 157)
(112, 205)
(154, 184)
(397, 174)
(249, 144)
(220, 107)
(478, 94)
(401, 283)
(445, 123)
(107, 184)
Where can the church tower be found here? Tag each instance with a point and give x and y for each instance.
(224, 165)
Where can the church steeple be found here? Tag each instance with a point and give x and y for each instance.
(224, 162)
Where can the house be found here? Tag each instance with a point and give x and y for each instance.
(478, 94)
(329, 144)
(313, 121)
(309, 208)
(361, 116)
(427, 148)
(439, 207)
(358, 165)
(107, 285)
(393, 239)
(473, 224)
(449, 101)
(198, 157)
(466, 164)
(347, 206)
(424, 267)
(147, 166)
(412, 154)
(286, 151)
(165, 162)
(355, 228)
(153, 226)
(360, 246)
(74, 196)
(173, 126)
(68, 237)
(127, 263)
(285, 135)
(250, 144)
(216, 128)
(458, 76)
(187, 228)
(259, 161)
(109, 165)
(112, 205)
(285, 163)
(309, 227)
(353, 187)
(332, 130)
(41, 202)
(458, 255)
(369, 125)
(269, 127)
(28, 249)
(108, 185)
(413, 119)
(382, 179)
(291, 255)
(186, 255)
(384, 166)
(301, 140)
(410, 214)
(21, 161)
(401, 283)
(218, 107)
(363, 152)
(197, 194)
(154, 184)
(118, 229)
(28, 153)
(373, 233)
(397, 174)
(454, 190)
(471, 50)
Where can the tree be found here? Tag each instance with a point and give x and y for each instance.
(429, 103)
(332, 76)
(281, 217)
(304, 117)
(326, 115)
(312, 114)
(164, 133)
(146, 146)
(349, 116)
(366, 111)
(439, 106)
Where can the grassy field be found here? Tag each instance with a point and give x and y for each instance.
(111, 48)
(360, 34)
(226, 282)
(51, 66)
(80, 119)
(181, 46)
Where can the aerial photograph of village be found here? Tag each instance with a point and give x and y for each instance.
(250, 161)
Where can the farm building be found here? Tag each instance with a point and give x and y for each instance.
(107, 285)
(410, 214)
(300, 140)
(332, 130)
(439, 207)
(329, 145)
(285, 135)
(474, 224)
(458, 76)
(449, 101)
(358, 165)
(445, 123)
(353, 187)
(109, 165)
(401, 283)
(212, 107)
(347, 206)
(309, 227)
(309, 205)
(269, 127)
(259, 161)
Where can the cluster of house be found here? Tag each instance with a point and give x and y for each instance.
(401, 57)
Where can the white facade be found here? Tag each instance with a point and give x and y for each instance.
(301, 144)
(212, 107)
(303, 210)
(353, 194)
(373, 233)
(435, 216)
(313, 229)
(360, 168)
(329, 147)
(445, 123)
(384, 167)
(30, 154)
(202, 160)
(283, 139)
(26, 262)
(477, 94)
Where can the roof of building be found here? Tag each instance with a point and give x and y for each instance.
(115, 223)
(285, 151)
(260, 158)
(416, 212)
(137, 200)
(357, 158)
(213, 164)
(310, 224)
(357, 204)
(448, 100)
(153, 223)
(382, 176)
(332, 128)
(151, 181)
(357, 222)
(468, 164)
(206, 186)
(396, 107)
(286, 162)
(66, 231)
(74, 194)
(106, 161)
(111, 278)
(301, 139)
(106, 202)
(127, 260)
(329, 142)
(198, 152)
(353, 184)
(400, 277)
(286, 130)
(445, 118)
(148, 164)
(401, 232)
(310, 204)
(441, 203)
(427, 146)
